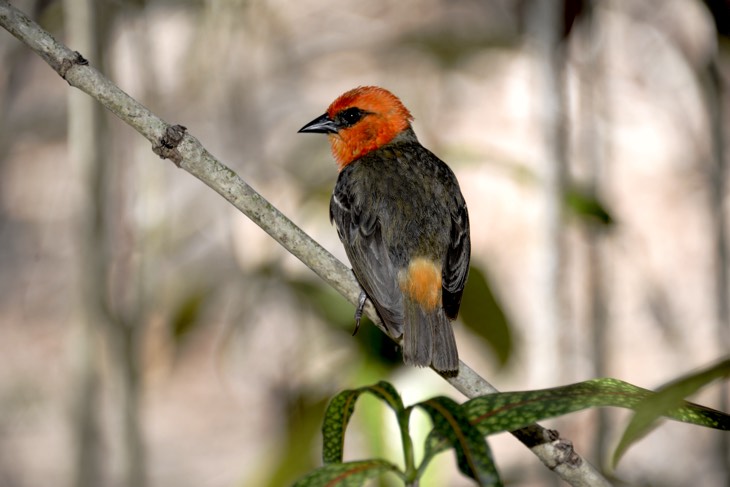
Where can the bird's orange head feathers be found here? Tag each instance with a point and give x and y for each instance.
(360, 121)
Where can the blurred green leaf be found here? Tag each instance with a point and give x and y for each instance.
(668, 400)
(376, 344)
(327, 302)
(350, 474)
(186, 317)
(484, 315)
(339, 411)
(450, 47)
(586, 205)
(336, 310)
(303, 418)
(473, 454)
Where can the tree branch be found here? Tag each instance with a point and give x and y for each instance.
(189, 154)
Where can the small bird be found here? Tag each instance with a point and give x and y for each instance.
(403, 221)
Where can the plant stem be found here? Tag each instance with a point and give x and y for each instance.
(411, 473)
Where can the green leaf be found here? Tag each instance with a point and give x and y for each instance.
(449, 48)
(375, 344)
(325, 301)
(387, 393)
(668, 399)
(435, 443)
(187, 314)
(586, 205)
(472, 451)
(302, 420)
(349, 474)
(484, 315)
(336, 417)
(507, 411)
(337, 311)
(339, 411)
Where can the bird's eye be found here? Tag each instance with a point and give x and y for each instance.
(351, 116)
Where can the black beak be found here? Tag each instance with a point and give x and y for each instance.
(320, 125)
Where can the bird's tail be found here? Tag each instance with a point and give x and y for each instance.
(428, 338)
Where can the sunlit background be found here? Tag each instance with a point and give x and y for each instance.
(179, 345)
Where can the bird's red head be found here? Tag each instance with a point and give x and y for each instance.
(360, 121)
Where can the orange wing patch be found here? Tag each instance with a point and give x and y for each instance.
(422, 282)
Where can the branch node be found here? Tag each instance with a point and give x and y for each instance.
(167, 146)
(566, 453)
(551, 435)
(69, 63)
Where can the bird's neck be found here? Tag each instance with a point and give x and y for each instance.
(347, 150)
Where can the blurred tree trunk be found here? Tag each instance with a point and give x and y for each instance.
(714, 89)
(711, 83)
(545, 25)
(594, 151)
(98, 323)
(84, 139)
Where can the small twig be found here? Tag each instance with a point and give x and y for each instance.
(189, 154)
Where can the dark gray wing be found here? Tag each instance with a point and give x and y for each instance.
(456, 265)
(359, 230)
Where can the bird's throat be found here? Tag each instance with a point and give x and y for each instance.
(372, 133)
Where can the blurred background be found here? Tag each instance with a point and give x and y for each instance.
(150, 335)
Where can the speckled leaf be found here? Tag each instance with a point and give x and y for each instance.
(338, 414)
(508, 411)
(387, 393)
(472, 451)
(435, 443)
(350, 474)
(669, 401)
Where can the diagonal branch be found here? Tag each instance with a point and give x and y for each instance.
(189, 154)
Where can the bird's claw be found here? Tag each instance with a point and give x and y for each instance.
(358, 312)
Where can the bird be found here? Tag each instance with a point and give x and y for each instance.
(403, 221)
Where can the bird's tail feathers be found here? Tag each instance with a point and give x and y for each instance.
(428, 338)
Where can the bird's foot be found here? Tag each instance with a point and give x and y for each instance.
(358, 312)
